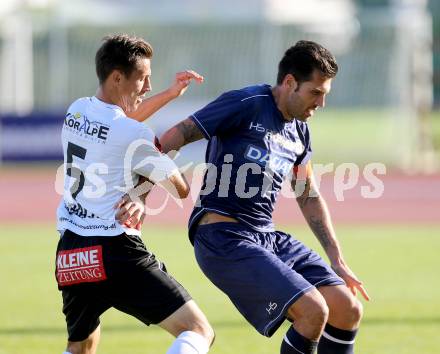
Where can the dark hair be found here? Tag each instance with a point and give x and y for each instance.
(303, 58)
(120, 52)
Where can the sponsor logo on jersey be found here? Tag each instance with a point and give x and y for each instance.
(295, 146)
(78, 210)
(79, 124)
(257, 127)
(80, 265)
(272, 161)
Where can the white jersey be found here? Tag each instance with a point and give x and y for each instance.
(104, 154)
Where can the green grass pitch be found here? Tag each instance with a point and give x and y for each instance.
(399, 266)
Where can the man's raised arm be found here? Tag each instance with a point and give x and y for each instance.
(152, 104)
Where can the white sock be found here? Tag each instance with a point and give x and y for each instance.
(67, 353)
(189, 342)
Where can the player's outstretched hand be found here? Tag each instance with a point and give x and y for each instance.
(353, 283)
(182, 81)
(130, 213)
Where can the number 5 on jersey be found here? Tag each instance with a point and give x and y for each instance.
(75, 172)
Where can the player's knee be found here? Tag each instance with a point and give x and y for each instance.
(311, 309)
(200, 325)
(73, 347)
(351, 310)
(356, 312)
(188, 317)
(77, 347)
(204, 328)
(318, 315)
(210, 336)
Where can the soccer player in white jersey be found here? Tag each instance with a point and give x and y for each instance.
(100, 263)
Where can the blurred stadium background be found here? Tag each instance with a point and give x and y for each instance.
(384, 108)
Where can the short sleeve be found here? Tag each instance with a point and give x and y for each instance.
(221, 115)
(147, 160)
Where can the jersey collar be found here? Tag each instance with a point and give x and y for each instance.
(105, 104)
(280, 115)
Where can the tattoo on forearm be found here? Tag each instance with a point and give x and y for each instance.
(304, 191)
(320, 230)
(189, 131)
(303, 201)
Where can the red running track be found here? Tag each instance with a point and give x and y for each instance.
(28, 196)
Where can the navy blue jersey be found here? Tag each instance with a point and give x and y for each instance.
(251, 149)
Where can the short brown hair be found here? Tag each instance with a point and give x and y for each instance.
(303, 58)
(120, 52)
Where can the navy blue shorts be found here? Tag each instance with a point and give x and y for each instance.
(263, 273)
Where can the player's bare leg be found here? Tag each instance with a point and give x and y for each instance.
(87, 346)
(309, 314)
(189, 325)
(345, 311)
(345, 314)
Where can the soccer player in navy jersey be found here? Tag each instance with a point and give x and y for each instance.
(257, 137)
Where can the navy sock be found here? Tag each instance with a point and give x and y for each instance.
(336, 341)
(294, 343)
